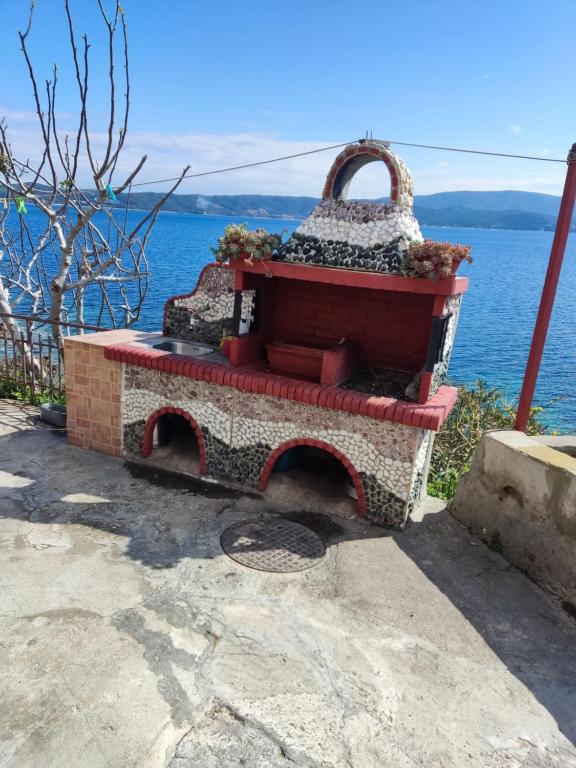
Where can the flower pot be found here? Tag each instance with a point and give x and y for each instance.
(53, 414)
(326, 366)
(295, 360)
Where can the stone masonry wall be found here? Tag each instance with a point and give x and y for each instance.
(205, 314)
(240, 431)
(453, 304)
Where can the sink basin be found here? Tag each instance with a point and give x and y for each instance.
(183, 348)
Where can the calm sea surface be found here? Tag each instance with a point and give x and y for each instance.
(498, 311)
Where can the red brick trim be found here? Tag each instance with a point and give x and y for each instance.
(430, 415)
(448, 286)
(372, 152)
(172, 299)
(346, 463)
(425, 386)
(147, 438)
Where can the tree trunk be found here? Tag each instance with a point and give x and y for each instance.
(15, 332)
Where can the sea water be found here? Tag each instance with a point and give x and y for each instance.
(498, 311)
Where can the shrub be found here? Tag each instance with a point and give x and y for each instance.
(479, 408)
(238, 242)
(436, 260)
(15, 390)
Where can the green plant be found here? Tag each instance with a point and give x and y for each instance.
(435, 260)
(478, 408)
(238, 242)
(14, 390)
(444, 485)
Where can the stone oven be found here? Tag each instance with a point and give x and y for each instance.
(329, 344)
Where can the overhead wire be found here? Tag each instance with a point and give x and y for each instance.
(254, 164)
(337, 146)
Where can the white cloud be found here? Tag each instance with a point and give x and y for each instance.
(169, 153)
(515, 129)
(15, 117)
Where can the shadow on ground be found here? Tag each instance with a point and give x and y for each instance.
(167, 519)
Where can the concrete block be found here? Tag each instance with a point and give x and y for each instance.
(520, 496)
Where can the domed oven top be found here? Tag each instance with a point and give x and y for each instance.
(357, 234)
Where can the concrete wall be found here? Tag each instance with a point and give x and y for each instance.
(521, 494)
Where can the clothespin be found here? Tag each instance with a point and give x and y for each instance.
(20, 205)
(4, 203)
(110, 193)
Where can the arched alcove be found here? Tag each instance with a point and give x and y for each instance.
(370, 183)
(172, 439)
(316, 469)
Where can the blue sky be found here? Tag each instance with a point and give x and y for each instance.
(216, 84)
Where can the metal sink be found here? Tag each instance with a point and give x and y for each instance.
(183, 348)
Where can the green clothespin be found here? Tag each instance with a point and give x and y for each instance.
(20, 205)
(110, 193)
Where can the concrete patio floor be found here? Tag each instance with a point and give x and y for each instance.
(129, 639)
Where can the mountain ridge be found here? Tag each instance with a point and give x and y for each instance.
(506, 209)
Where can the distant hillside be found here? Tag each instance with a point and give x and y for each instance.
(508, 209)
(273, 206)
(507, 200)
(491, 210)
(468, 217)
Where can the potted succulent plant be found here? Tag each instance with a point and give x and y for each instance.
(435, 260)
(238, 242)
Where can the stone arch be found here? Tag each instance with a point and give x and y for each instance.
(147, 438)
(354, 157)
(346, 463)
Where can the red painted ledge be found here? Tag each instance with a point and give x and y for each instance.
(448, 286)
(430, 415)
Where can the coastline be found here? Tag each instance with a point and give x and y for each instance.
(288, 219)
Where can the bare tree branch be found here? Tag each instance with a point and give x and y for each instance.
(85, 258)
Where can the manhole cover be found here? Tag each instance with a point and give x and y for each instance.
(278, 546)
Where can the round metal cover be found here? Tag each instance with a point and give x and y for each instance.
(277, 546)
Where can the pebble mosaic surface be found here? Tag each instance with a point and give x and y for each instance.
(419, 470)
(359, 223)
(453, 304)
(354, 235)
(302, 249)
(241, 430)
(205, 315)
